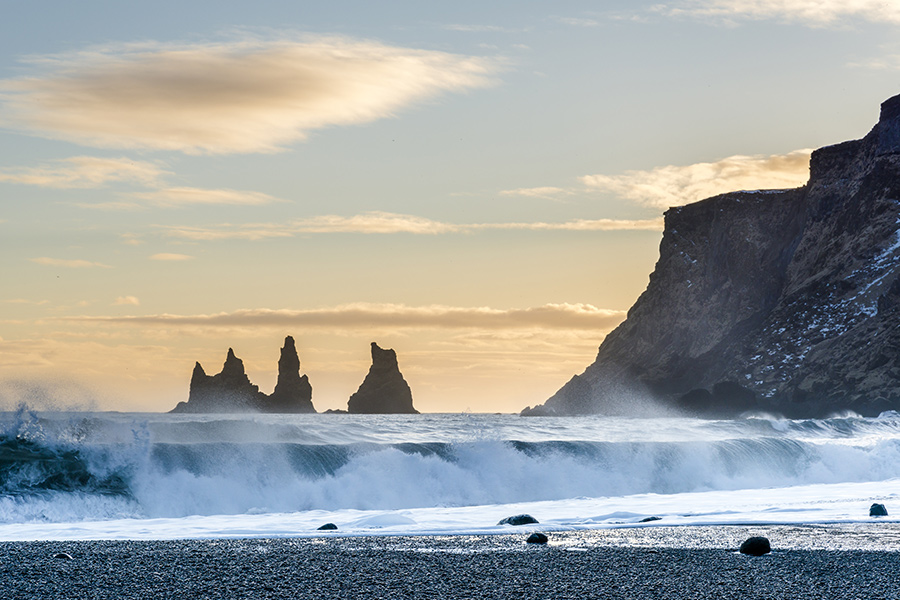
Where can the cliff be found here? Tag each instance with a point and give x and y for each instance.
(785, 301)
(231, 390)
(384, 390)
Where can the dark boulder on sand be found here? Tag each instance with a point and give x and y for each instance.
(383, 391)
(756, 546)
(877, 510)
(536, 538)
(327, 527)
(518, 520)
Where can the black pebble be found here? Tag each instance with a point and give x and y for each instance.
(877, 510)
(537, 538)
(756, 546)
(327, 526)
(518, 520)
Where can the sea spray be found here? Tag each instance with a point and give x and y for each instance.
(67, 467)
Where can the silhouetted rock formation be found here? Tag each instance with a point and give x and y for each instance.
(384, 391)
(231, 390)
(293, 393)
(784, 300)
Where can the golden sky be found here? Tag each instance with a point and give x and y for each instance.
(480, 188)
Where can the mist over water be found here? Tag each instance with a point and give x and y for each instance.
(72, 467)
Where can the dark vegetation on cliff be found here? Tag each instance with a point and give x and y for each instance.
(784, 301)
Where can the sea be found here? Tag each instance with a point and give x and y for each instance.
(155, 476)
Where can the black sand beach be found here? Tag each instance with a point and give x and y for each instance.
(624, 563)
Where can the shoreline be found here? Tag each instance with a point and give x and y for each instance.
(860, 560)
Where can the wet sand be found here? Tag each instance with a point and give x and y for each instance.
(836, 562)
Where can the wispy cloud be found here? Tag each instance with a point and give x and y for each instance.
(127, 301)
(546, 192)
(68, 263)
(577, 21)
(391, 223)
(182, 196)
(171, 257)
(815, 13)
(885, 62)
(246, 96)
(85, 172)
(663, 187)
(550, 316)
(475, 28)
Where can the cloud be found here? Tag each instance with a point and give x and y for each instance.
(84, 172)
(577, 21)
(127, 300)
(171, 257)
(546, 192)
(68, 263)
(484, 28)
(663, 187)
(239, 97)
(356, 316)
(815, 13)
(181, 196)
(391, 223)
(887, 62)
(580, 225)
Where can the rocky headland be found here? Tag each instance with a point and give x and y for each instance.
(384, 390)
(783, 301)
(231, 390)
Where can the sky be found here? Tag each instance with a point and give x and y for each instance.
(479, 186)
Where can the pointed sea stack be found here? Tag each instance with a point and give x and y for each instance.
(293, 393)
(384, 391)
(231, 390)
(780, 301)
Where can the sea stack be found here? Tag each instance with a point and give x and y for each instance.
(293, 393)
(783, 301)
(384, 391)
(231, 389)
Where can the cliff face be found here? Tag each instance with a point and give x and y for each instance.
(383, 391)
(231, 390)
(785, 301)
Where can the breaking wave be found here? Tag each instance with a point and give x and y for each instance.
(100, 467)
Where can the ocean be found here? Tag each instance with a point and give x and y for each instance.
(154, 476)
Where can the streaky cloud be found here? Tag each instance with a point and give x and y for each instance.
(362, 315)
(68, 263)
(392, 223)
(85, 172)
(169, 256)
(545, 192)
(230, 97)
(672, 185)
(814, 13)
(184, 196)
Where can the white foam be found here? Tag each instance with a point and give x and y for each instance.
(821, 503)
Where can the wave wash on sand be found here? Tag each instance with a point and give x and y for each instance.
(152, 476)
